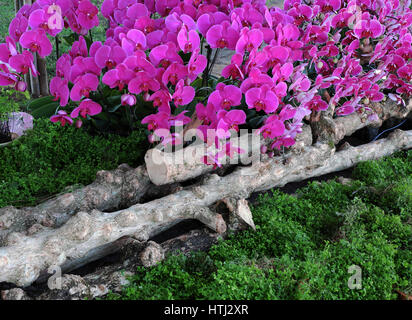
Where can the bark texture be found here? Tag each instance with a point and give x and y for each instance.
(328, 129)
(121, 187)
(25, 257)
(185, 164)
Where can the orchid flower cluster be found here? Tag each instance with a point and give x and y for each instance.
(287, 63)
(359, 50)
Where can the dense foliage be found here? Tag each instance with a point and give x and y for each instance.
(304, 245)
(50, 157)
(155, 64)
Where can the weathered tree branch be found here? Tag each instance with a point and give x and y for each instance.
(328, 129)
(121, 187)
(185, 164)
(25, 257)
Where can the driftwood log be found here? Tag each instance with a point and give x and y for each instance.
(121, 187)
(25, 257)
(186, 163)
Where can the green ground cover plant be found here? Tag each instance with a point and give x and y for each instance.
(304, 245)
(50, 158)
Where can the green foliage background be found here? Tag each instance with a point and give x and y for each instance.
(50, 157)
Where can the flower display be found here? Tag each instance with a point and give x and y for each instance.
(310, 56)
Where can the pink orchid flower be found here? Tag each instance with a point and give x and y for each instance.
(272, 128)
(161, 99)
(42, 19)
(62, 117)
(165, 55)
(179, 120)
(18, 26)
(82, 66)
(63, 66)
(317, 104)
(256, 79)
(196, 65)
(207, 20)
(23, 62)
(159, 120)
(118, 77)
(183, 94)
(233, 69)
(345, 109)
(262, 98)
(134, 40)
(174, 73)
(87, 15)
(230, 150)
(143, 82)
(60, 90)
(188, 40)
(213, 159)
(225, 97)
(367, 27)
(174, 22)
(79, 48)
(36, 41)
(109, 57)
(230, 121)
(405, 72)
(249, 40)
(86, 107)
(138, 62)
(222, 36)
(328, 5)
(83, 86)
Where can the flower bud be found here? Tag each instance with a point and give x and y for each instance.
(21, 86)
(78, 124)
(151, 138)
(263, 149)
(146, 96)
(128, 99)
(271, 154)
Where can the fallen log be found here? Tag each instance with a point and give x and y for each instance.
(113, 277)
(25, 257)
(111, 190)
(328, 129)
(184, 164)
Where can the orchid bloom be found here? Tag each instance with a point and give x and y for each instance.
(86, 107)
(188, 40)
(36, 41)
(87, 15)
(262, 98)
(62, 117)
(60, 90)
(83, 86)
(225, 97)
(222, 36)
(230, 121)
(183, 94)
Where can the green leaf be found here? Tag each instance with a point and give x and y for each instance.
(40, 102)
(115, 108)
(45, 111)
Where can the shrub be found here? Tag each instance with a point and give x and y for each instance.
(50, 157)
(239, 282)
(326, 272)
